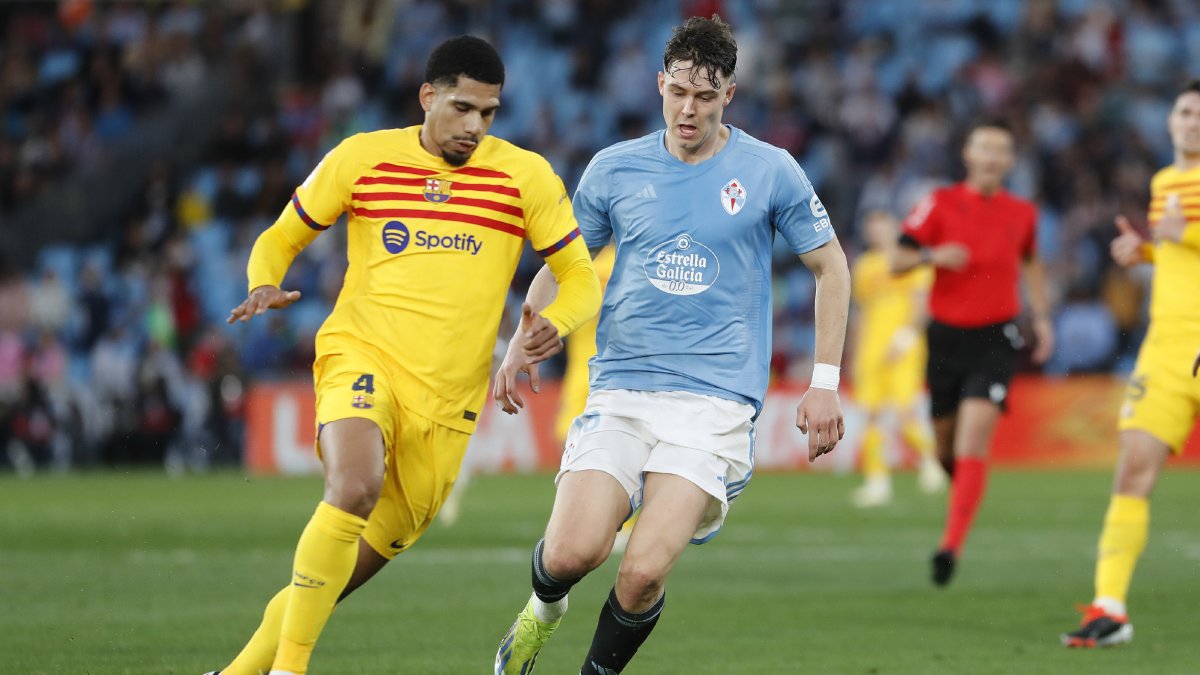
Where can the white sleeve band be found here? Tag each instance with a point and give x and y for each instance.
(825, 376)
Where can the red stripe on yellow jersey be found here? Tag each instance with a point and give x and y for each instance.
(460, 201)
(431, 249)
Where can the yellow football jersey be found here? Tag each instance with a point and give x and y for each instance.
(581, 347)
(887, 302)
(432, 249)
(1173, 305)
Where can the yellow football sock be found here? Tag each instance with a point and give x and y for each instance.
(919, 438)
(873, 463)
(1121, 543)
(324, 561)
(258, 654)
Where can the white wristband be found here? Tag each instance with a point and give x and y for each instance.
(825, 376)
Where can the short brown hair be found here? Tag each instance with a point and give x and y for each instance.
(707, 43)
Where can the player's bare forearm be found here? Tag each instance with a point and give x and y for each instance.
(542, 290)
(1035, 286)
(1043, 327)
(905, 258)
(536, 338)
(832, 305)
(563, 295)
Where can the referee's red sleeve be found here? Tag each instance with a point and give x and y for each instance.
(921, 223)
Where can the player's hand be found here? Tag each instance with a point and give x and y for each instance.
(1043, 335)
(529, 346)
(260, 300)
(1126, 249)
(540, 337)
(1173, 223)
(505, 391)
(820, 416)
(950, 256)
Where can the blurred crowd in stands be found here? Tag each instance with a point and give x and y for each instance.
(114, 349)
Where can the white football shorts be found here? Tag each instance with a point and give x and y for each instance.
(705, 439)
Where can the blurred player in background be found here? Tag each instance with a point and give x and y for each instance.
(581, 347)
(439, 214)
(981, 240)
(1161, 401)
(682, 349)
(889, 362)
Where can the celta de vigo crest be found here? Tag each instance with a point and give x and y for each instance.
(733, 196)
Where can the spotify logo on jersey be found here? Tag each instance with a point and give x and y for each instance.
(395, 237)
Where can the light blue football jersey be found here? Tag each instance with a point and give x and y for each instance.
(688, 306)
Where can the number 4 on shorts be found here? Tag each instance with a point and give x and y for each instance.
(365, 383)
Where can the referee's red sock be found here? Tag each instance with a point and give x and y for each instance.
(970, 481)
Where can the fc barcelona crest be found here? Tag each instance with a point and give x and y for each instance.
(437, 190)
(733, 196)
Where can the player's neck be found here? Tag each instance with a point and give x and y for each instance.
(1185, 161)
(705, 152)
(982, 188)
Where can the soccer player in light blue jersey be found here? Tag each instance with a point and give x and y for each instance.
(683, 347)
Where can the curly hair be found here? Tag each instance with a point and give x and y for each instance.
(707, 43)
(467, 56)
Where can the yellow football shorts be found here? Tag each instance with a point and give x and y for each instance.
(422, 459)
(878, 383)
(1162, 398)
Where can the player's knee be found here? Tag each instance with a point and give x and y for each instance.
(570, 560)
(355, 496)
(1135, 478)
(639, 584)
(1141, 458)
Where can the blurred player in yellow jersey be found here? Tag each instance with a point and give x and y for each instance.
(581, 347)
(1163, 399)
(438, 215)
(889, 362)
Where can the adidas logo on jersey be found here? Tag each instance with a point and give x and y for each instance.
(648, 192)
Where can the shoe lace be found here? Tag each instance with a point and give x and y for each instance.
(536, 629)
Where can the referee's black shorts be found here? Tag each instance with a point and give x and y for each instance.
(970, 363)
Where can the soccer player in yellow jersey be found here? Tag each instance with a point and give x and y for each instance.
(1162, 399)
(889, 363)
(437, 217)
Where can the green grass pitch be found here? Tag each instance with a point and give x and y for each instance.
(119, 573)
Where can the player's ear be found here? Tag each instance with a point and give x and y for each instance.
(662, 83)
(729, 92)
(426, 95)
